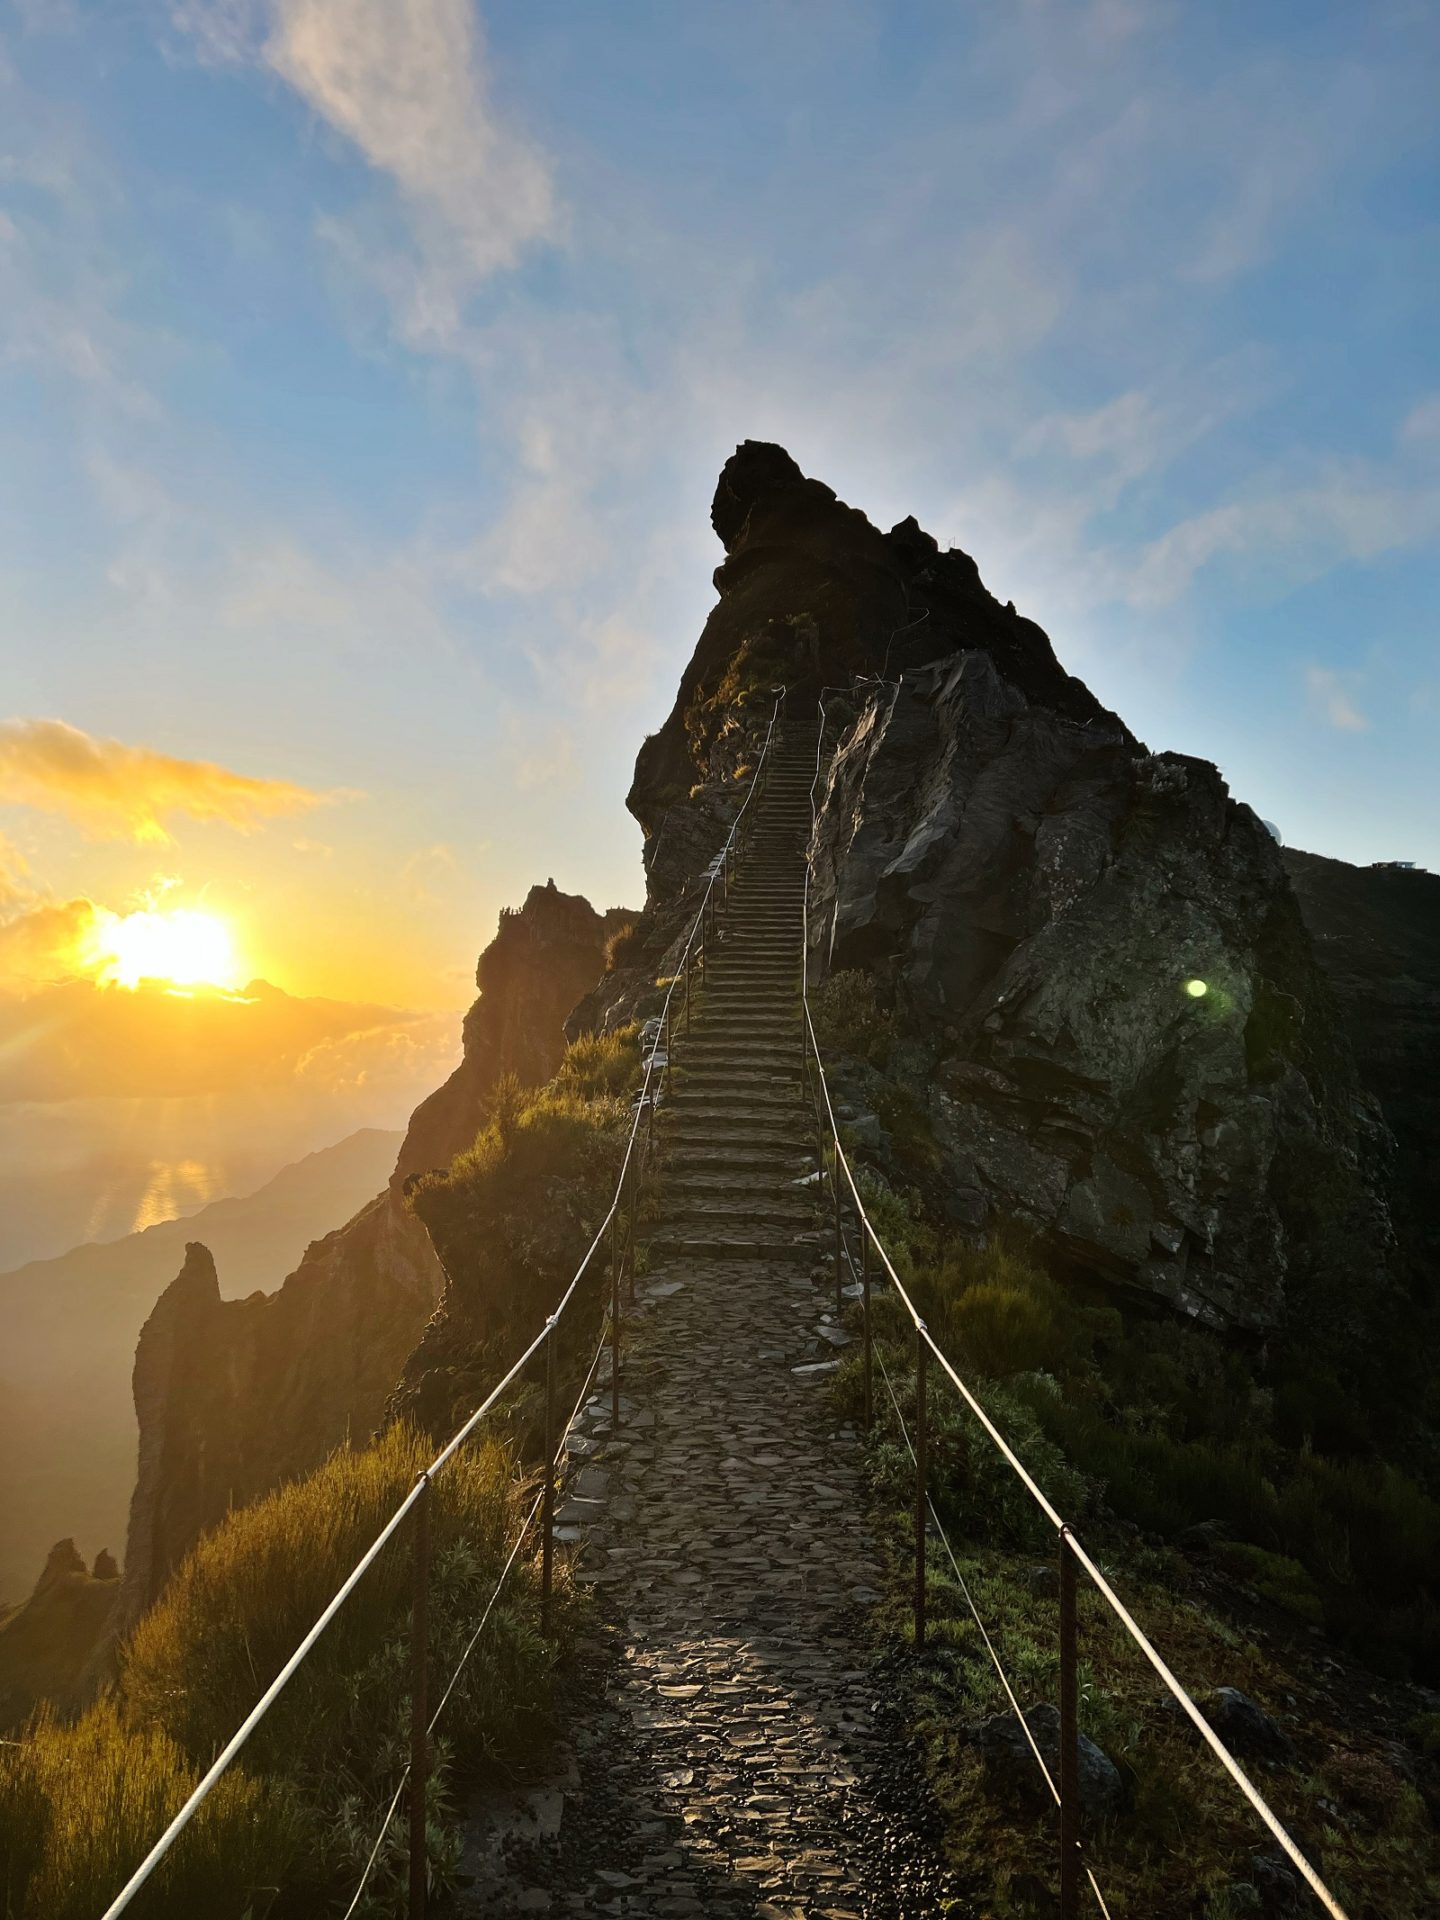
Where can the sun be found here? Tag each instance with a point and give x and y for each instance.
(181, 946)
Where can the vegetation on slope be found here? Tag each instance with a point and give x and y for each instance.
(1240, 1544)
(79, 1806)
(1184, 1843)
(511, 1219)
(291, 1828)
(1170, 1426)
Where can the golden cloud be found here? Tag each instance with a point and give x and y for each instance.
(119, 792)
(42, 941)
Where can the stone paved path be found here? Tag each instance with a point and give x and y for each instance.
(739, 1752)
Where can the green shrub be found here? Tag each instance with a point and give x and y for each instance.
(237, 1605)
(620, 946)
(849, 1018)
(81, 1805)
(337, 1738)
(1274, 1576)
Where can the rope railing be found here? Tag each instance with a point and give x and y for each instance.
(1071, 1552)
(655, 1063)
(535, 1507)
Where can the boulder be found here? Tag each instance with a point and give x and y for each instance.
(1010, 1764)
(1247, 1730)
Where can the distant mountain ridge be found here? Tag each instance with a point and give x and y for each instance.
(68, 1328)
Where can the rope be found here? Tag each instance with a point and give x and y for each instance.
(1103, 1587)
(964, 1585)
(525, 1526)
(647, 1095)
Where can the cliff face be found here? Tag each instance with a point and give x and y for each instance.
(234, 1396)
(1114, 1019)
(1376, 934)
(1111, 1024)
(46, 1642)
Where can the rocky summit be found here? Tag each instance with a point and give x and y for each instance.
(1145, 1103)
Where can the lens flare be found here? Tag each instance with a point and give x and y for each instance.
(180, 946)
(1197, 989)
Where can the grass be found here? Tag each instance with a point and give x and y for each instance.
(289, 1833)
(79, 1806)
(513, 1215)
(1183, 1844)
(1152, 1424)
(1166, 1427)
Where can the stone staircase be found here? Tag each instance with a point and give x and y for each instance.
(738, 1135)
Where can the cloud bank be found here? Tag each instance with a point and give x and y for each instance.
(114, 791)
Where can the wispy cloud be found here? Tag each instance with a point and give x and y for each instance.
(1282, 539)
(1329, 692)
(408, 83)
(117, 791)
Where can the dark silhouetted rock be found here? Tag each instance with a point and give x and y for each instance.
(1247, 1730)
(234, 1396)
(1118, 1029)
(48, 1642)
(1010, 1764)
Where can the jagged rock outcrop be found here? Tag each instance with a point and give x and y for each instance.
(1112, 1005)
(234, 1396)
(1034, 893)
(1376, 933)
(542, 959)
(47, 1641)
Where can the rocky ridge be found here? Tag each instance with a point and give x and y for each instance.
(234, 1396)
(1113, 1020)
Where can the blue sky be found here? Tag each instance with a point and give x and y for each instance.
(366, 365)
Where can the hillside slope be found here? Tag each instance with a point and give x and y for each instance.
(67, 1421)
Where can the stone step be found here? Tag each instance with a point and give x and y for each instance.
(734, 1195)
(674, 1245)
(721, 1098)
(696, 1135)
(727, 1159)
(723, 1198)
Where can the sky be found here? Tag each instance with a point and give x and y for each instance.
(366, 367)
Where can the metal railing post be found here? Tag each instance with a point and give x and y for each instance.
(1069, 1738)
(547, 1501)
(615, 1325)
(419, 1702)
(630, 1232)
(921, 1483)
(839, 1233)
(869, 1353)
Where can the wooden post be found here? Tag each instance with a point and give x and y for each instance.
(869, 1353)
(921, 1483)
(1069, 1738)
(419, 1700)
(839, 1235)
(547, 1501)
(615, 1324)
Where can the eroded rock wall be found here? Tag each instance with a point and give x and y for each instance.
(234, 1396)
(1110, 1008)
